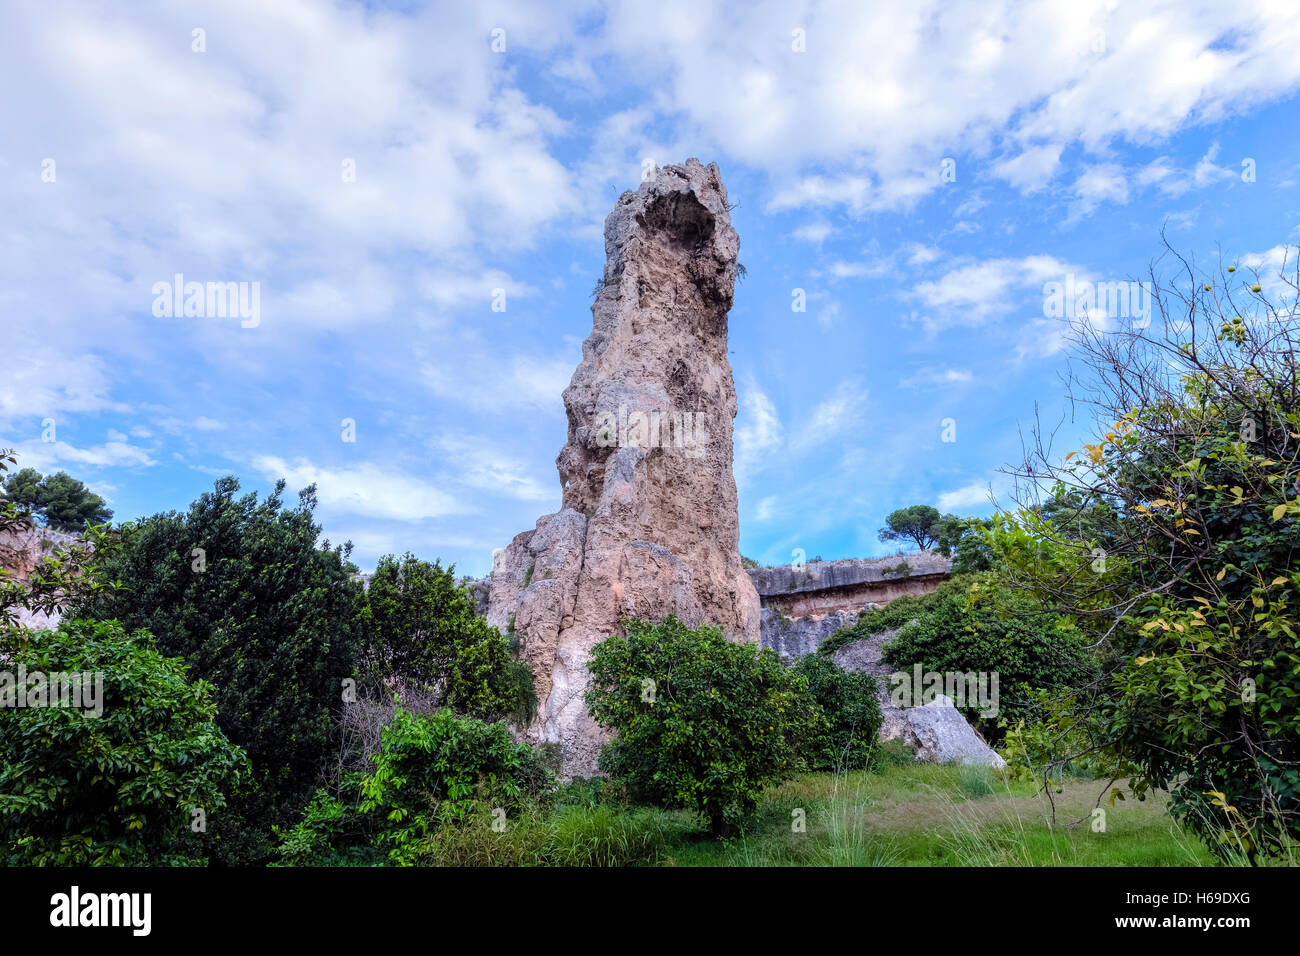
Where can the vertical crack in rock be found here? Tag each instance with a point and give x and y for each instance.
(649, 524)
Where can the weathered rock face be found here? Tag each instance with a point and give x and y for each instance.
(649, 525)
(823, 587)
(796, 637)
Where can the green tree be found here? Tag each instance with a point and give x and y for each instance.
(702, 723)
(977, 624)
(64, 503)
(61, 576)
(421, 625)
(840, 716)
(1186, 575)
(920, 524)
(241, 591)
(135, 785)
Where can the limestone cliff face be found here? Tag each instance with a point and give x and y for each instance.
(649, 525)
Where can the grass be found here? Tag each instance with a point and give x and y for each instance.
(911, 814)
(927, 815)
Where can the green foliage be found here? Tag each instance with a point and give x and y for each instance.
(893, 615)
(1181, 560)
(977, 624)
(921, 524)
(840, 717)
(894, 753)
(120, 788)
(263, 614)
(433, 772)
(710, 732)
(420, 624)
(331, 833)
(566, 836)
(966, 544)
(64, 503)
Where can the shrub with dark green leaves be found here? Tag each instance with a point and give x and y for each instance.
(421, 625)
(702, 723)
(137, 785)
(433, 771)
(841, 717)
(240, 589)
(976, 624)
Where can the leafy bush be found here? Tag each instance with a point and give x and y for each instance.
(709, 733)
(979, 625)
(441, 770)
(420, 624)
(239, 589)
(117, 789)
(841, 717)
(1173, 539)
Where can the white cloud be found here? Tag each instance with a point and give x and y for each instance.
(921, 255)
(817, 232)
(454, 289)
(971, 496)
(937, 376)
(827, 314)
(368, 488)
(1030, 170)
(494, 384)
(977, 292)
(40, 381)
(44, 455)
(832, 416)
(946, 82)
(1104, 182)
(758, 431)
(1173, 181)
(479, 463)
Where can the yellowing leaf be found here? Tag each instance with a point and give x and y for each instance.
(1276, 581)
(1219, 576)
(1279, 511)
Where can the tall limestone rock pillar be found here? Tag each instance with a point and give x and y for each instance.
(649, 525)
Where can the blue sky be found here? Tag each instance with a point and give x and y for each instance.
(1075, 131)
